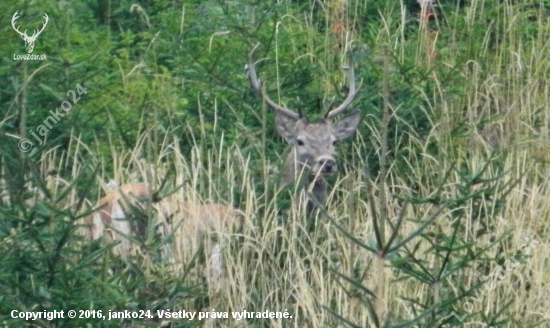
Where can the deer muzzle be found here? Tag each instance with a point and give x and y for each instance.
(326, 165)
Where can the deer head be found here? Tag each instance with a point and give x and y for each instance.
(313, 143)
(29, 40)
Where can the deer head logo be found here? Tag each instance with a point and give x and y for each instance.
(29, 40)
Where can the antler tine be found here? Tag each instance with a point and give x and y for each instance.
(13, 19)
(352, 92)
(258, 87)
(43, 24)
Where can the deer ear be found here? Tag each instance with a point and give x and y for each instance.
(286, 126)
(346, 126)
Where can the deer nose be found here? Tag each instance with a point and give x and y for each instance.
(328, 165)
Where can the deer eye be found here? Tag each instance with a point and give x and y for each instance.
(300, 142)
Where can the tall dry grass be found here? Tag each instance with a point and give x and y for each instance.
(488, 116)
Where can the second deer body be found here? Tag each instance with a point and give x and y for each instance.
(183, 221)
(114, 213)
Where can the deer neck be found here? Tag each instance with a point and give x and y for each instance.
(296, 172)
(318, 190)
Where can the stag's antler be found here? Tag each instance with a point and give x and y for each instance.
(352, 91)
(13, 19)
(46, 19)
(258, 87)
(251, 67)
(29, 40)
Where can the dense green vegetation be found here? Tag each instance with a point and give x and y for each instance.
(442, 188)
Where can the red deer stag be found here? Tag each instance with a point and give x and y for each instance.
(312, 151)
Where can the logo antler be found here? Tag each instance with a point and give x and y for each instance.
(29, 40)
